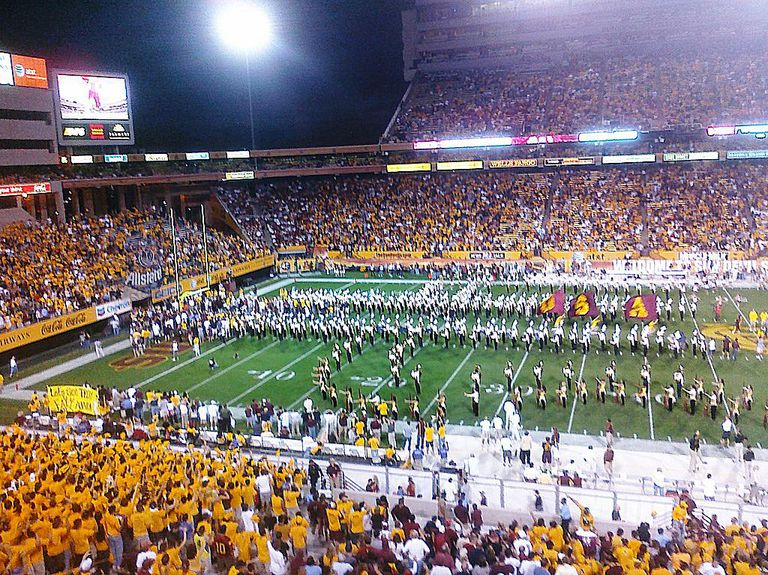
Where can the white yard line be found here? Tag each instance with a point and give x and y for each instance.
(738, 309)
(266, 379)
(575, 397)
(650, 414)
(233, 366)
(514, 379)
(449, 381)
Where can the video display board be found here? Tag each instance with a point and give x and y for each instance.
(93, 109)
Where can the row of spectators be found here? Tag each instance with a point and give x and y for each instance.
(628, 92)
(675, 207)
(53, 269)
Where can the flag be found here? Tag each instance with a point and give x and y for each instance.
(641, 307)
(553, 304)
(597, 321)
(583, 305)
(560, 319)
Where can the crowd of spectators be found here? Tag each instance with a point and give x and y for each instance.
(431, 213)
(52, 269)
(625, 92)
(100, 504)
(699, 207)
(596, 210)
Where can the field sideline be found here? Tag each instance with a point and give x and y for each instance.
(282, 371)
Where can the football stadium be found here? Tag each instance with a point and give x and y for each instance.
(495, 306)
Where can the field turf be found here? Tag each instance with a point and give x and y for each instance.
(282, 371)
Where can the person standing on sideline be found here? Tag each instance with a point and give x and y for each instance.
(694, 445)
(14, 367)
(565, 517)
(727, 427)
(738, 445)
(658, 483)
(525, 448)
(608, 461)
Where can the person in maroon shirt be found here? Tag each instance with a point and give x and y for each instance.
(223, 550)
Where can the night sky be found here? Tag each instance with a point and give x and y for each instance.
(332, 77)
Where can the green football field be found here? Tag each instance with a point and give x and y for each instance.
(282, 371)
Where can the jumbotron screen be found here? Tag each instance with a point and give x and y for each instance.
(93, 109)
(92, 97)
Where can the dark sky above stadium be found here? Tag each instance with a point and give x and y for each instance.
(333, 75)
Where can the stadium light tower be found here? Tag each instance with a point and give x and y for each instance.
(245, 29)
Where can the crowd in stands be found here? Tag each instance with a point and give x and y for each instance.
(101, 504)
(52, 269)
(430, 213)
(596, 209)
(624, 92)
(704, 206)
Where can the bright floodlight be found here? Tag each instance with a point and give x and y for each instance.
(244, 27)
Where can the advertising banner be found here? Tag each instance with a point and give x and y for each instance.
(629, 159)
(244, 175)
(73, 399)
(461, 165)
(419, 167)
(46, 328)
(512, 163)
(690, 156)
(111, 308)
(746, 155)
(29, 72)
(197, 156)
(583, 161)
(387, 254)
(156, 157)
(25, 189)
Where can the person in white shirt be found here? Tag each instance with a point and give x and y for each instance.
(565, 568)
(416, 550)
(498, 426)
(485, 431)
(277, 562)
(341, 568)
(711, 568)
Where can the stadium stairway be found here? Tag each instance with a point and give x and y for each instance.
(13, 215)
(134, 294)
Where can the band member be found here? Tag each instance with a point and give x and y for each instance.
(600, 389)
(475, 397)
(642, 395)
(568, 374)
(509, 374)
(621, 392)
(416, 376)
(582, 391)
(562, 394)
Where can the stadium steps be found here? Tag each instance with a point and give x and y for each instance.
(13, 215)
(134, 294)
